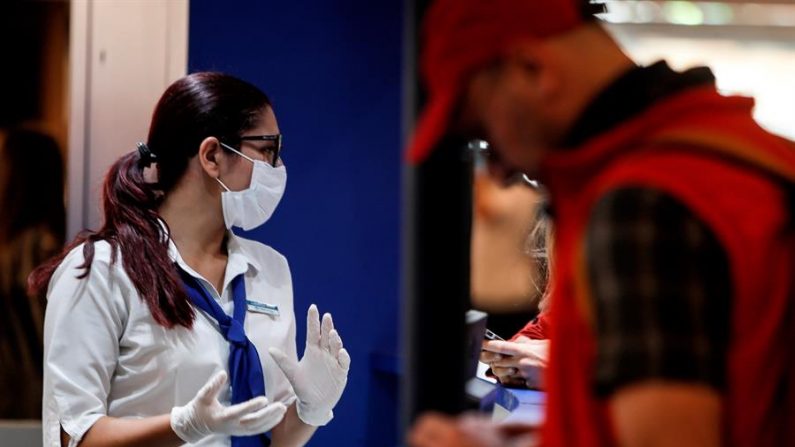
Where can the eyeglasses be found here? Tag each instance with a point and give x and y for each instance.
(273, 152)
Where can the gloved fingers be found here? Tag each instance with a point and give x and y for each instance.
(288, 366)
(243, 408)
(335, 342)
(313, 325)
(325, 329)
(344, 359)
(264, 419)
(209, 392)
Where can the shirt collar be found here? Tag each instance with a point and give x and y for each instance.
(238, 254)
(238, 261)
(630, 94)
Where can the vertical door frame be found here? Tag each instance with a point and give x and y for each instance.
(79, 193)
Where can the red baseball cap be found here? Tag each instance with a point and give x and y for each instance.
(460, 36)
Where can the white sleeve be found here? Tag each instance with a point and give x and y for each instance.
(84, 321)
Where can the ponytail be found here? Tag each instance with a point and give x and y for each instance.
(191, 109)
(131, 226)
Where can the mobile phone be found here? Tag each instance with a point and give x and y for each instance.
(489, 335)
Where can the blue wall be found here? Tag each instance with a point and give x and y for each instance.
(332, 69)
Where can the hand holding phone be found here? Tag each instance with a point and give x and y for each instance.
(488, 354)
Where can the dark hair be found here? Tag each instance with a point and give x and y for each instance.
(191, 109)
(33, 189)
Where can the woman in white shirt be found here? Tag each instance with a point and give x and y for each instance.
(163, 327)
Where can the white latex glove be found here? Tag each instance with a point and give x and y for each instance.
(320, 377)
(204, 414)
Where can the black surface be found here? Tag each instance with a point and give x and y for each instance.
(435, 286)
(437, 282)
(21, 50)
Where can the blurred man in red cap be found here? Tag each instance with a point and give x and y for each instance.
(673, 309)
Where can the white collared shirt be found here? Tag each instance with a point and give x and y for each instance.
(104, 354)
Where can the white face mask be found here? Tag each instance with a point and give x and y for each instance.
(253, 206)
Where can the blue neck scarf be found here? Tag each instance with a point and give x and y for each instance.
(245, 369)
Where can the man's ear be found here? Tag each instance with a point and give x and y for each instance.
(209, 154)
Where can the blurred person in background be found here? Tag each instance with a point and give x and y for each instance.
(31, 231)
(672, 306)
(503, 274)
(522, 360)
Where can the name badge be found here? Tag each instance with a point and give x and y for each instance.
(262, 308)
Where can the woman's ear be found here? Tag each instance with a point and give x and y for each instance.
(209, 155)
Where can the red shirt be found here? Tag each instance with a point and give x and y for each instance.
(681, 146)
(537, 329)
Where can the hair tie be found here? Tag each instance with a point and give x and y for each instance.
(146, 155)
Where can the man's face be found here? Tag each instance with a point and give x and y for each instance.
(502, 105)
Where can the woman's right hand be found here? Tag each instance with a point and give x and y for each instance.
(517, 363)
(205, 415)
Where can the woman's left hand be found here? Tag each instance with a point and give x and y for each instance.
(320, 377)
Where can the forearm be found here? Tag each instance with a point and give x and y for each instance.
(292, 431)
(659, 414)
(152, 431)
